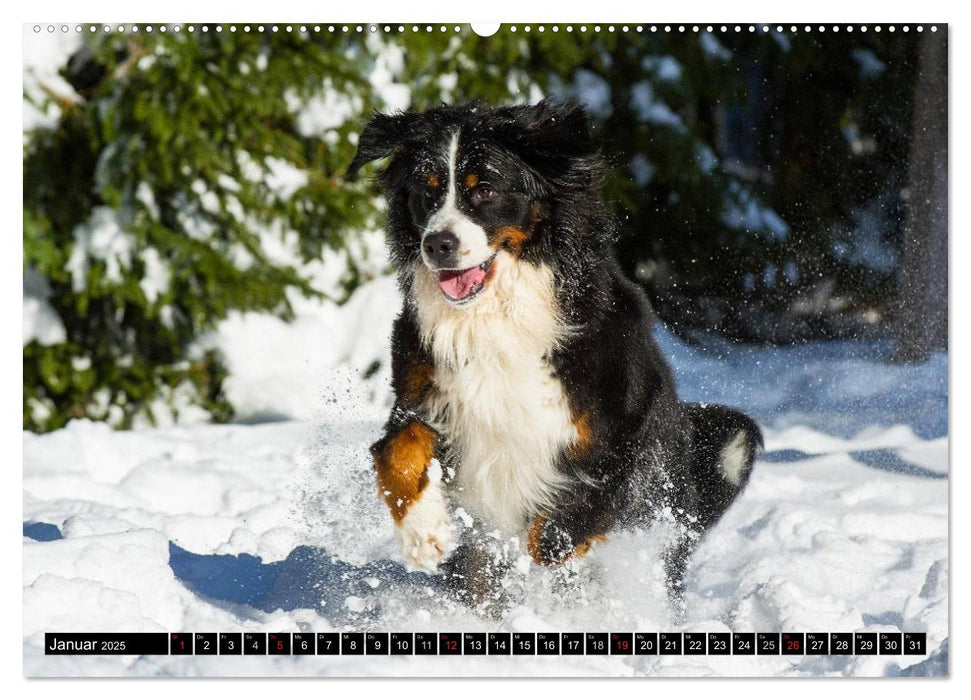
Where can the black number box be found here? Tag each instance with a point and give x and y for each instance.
(500, 643)
(254, 643)
(230, 643)
(403, 643)
(279, 644)
(571, 643)
(523, 643)
(719, 643)
(304, 643)
(817, 643)
(793, 643)
(694, 643)
(767, 643)
(426, 643)
(596, 643)
(645, 642)
(915, 643)
(450, 643)
(621, 643)
(328, 643)
(352, 643)
(669, 643)
(743, 643)
(474, 643)
(548, 643)
(841, 643)
(865, 643)
(180, 643)
(891, 643)
(376, 643)
(206, 643)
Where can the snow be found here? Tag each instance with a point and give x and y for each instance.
(651, 109)
(41, 322)
(744, 212)
(713, 48)
(324, 112)
(103, 238)
(870, 66)
(43, 55)
(666, 68)
(277, 526)
(283, 178)
(155, 283)
(593, 91)
(782, 40)
(865, 242)
(389, 65)
(642, 168)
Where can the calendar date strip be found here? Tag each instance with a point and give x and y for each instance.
(487, 643)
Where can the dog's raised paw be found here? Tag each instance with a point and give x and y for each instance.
(425, 533)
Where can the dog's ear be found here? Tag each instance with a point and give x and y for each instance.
(554, 139)
(384, 135)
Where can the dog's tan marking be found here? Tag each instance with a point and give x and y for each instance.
(433, 181)
(584, 437)
(511, 238)
(402, 466)
(534, 550)
(471, 180)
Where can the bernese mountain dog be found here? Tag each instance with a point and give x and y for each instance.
(530, 396)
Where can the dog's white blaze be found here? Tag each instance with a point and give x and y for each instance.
(734, 459)
(473, 242)
(496, 401)
(425, 532)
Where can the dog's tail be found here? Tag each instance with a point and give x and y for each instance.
(725, 445)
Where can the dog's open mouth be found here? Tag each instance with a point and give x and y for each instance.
(461, 286)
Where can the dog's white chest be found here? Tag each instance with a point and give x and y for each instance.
(507, 429)
(496, 401)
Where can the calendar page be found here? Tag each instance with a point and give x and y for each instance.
(445, 350)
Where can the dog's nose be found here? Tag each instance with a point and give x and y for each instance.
(441, 247)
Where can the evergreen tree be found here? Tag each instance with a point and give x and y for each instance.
(157, 203)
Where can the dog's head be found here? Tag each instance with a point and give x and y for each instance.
(469, 184)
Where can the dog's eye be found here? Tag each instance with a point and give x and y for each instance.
(482, 193)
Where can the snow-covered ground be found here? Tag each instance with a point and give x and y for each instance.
(277, 526)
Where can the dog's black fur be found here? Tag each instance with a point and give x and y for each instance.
(649, 455)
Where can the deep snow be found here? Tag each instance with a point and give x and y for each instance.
(276, 526)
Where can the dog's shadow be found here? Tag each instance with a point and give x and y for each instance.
(309, 578)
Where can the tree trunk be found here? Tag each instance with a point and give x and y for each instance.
(921, 318)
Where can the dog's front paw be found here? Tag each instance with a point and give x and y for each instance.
(425, 533)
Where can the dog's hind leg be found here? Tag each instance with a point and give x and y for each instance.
(675, 564)
(725, 444)
(474, 576)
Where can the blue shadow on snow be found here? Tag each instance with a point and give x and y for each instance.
(885, 460)
(307, 578)
(42, 532)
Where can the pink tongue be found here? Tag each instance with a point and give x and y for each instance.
(459, 284)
